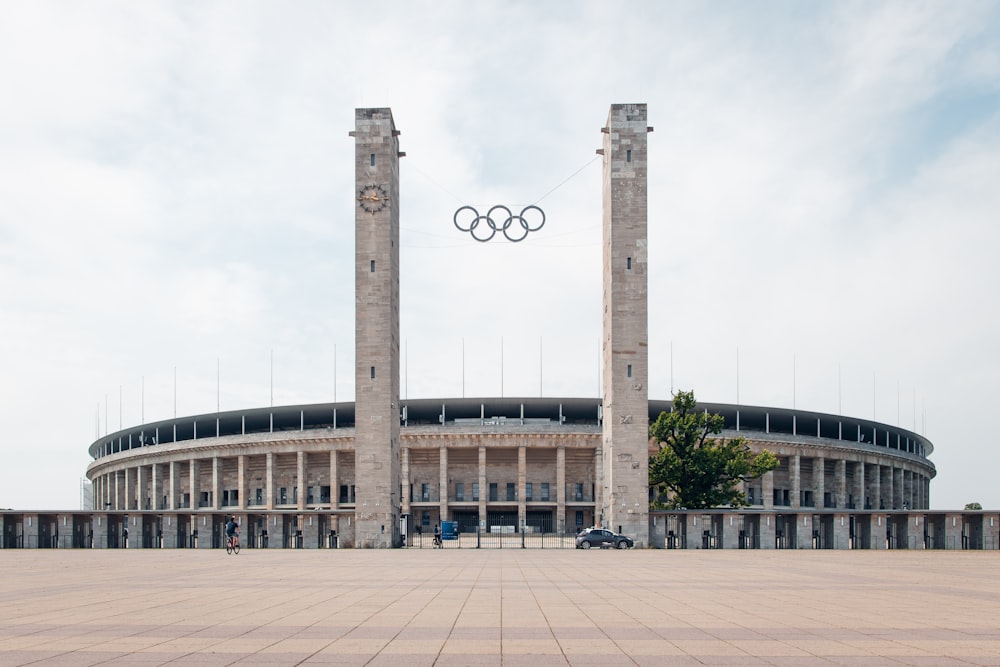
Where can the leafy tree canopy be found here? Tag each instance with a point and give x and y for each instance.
(973, 506)
(693, 470)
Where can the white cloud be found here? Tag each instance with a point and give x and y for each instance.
(177, 191)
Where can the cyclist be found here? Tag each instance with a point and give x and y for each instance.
(232, 531)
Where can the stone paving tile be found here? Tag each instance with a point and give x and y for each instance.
(459, 660)
(864, 660)
(505, 607)
(743, 659)
(668, 660)
(472, 647)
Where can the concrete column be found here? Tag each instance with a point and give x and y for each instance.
(819, 481)
(100, 527)
(300, 473)
(767, 490)
(275, 531)
(334, 484)
(216, 483)
(878, 529)
(522, 476)
(269, 483)
(129, 489)
(730, 531)
(141, 494)
(443, 483)
(795, 478)
(875, 490)
(194, 483)
(841, 499)
(483, 489)
(127, 486)
(156, 485)
(117, 502)
(767, 529)
(990, 531)
(404, 475)
(309, 524)
(841, 531)
(803, 530)
(241, 480)
(172, 491)
(953, 531)
(694, 529)
(561, 489)
(860, 488)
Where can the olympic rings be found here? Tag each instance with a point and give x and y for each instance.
(491, 226)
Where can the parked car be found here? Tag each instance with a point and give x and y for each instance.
(599, 537)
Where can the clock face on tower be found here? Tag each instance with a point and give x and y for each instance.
(372, 198)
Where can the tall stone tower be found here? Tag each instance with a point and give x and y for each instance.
(376, 329)
(625, 503)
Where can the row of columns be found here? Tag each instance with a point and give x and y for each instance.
(141, 487)
(829, 530)
(522, 476)
(890, 487)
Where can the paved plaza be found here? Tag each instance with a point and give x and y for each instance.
(499, 607)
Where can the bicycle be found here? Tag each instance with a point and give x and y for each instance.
(233, 544)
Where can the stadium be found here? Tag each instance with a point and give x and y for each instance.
(504, 467)
(381, 472)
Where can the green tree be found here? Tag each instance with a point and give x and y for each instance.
(693, 470)
(973, 506)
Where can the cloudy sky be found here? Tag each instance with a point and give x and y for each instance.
(177, 210)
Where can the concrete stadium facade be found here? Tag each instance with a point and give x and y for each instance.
(511, 466)
(380, 472)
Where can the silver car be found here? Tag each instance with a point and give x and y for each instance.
(599, 537)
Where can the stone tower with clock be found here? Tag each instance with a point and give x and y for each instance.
(625, 344)
(376, 329)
